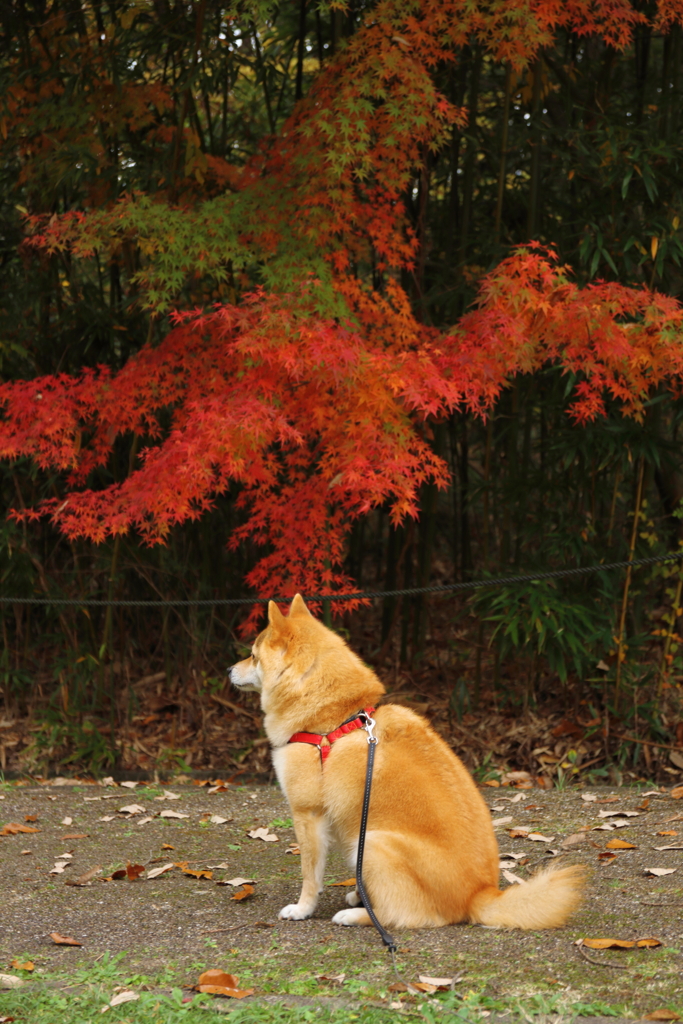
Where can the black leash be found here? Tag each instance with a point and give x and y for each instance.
(386, 938)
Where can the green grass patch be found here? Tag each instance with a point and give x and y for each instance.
(79, 998)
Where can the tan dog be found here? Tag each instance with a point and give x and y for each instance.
(431, 857)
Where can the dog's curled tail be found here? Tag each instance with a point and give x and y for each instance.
(545, 901)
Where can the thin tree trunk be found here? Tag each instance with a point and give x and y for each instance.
(198, 30)
(503, 153)
(536, 140)
(264, 82)
(465, 537)
(627, 582)
(298, 88)
(470, 156)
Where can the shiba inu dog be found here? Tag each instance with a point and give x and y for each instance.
(431, 856)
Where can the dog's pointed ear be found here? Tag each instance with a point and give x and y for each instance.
(275, 616)
(298, 606)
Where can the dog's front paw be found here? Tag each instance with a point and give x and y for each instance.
(353, 899)
(349, 917)
(295, 912)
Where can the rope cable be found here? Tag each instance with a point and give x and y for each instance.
(438, 588)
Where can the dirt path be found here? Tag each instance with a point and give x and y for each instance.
(177, 924)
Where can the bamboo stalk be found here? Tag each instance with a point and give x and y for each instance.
(470, 157)
(503, 153)
(663, 667)
(535, 173)
(627, 582)
(615, 494)
(266, 91)
(298, 85)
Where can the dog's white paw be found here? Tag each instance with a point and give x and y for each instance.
(350, 917)
(353, 899)
(295, 912)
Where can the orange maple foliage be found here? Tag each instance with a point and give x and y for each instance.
(315, 392)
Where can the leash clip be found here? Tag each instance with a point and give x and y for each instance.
(369, 727)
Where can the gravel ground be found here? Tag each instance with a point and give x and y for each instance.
(184, 924)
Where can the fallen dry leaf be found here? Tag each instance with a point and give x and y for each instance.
(120, 998)
(513, 878)
(536, 837)
(294, 848)
(671, 846)
(223, 990)
(167, 795)
(217, 977)
(668, 832)
(11, 981)
(13, 829)
(222, 984)
(243, 893)
(133, 871)
(663, 1014)
(620, 844)
(347, 882)
(31, 817)
(658, 872)
(26, 965)
(155, 872)
(127, 785)
(589, 797)
(518, 833)
(106, 817)
(436, 982)
(167, 846)
(609, 943)
(172, 814)
(574, 839)
(195, 872)
(264, 834)
(67, 821)
(618, 814)
(216, 819)
(132, 809)
(77, 835)
(648, 943)
(331, 977)
(677, 792)
(85, 878)
(501, 821)
(607, 858)
(237, 881)
(64, 940)
(59, 867)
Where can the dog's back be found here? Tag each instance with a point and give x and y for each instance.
(425, 814)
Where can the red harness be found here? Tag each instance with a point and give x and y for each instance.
(316, 739)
